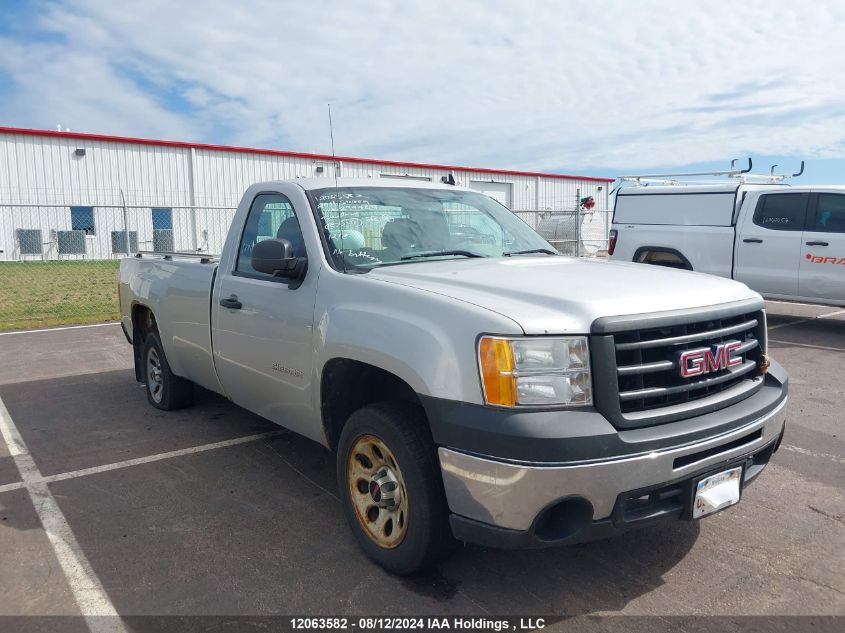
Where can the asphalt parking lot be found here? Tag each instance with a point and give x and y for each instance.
(214, 511)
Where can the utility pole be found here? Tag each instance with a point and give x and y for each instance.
(125, 223)
(578, 222)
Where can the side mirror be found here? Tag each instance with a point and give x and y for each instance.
(275, 257)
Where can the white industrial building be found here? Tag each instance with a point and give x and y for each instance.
(67, 195)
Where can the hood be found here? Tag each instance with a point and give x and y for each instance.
(558, 295)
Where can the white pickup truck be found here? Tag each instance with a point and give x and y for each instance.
(472, 382)
(785, 242)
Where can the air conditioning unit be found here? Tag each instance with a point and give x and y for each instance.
(163, 240)
(29, 241)
(118, 242)
(70, 242)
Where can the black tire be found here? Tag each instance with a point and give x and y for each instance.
(403, 429)
(172, 392)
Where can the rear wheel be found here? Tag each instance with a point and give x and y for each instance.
(391, 488)
(165, 390)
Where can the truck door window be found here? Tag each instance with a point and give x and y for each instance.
(270, 216)
(781, 211)
(830, 214)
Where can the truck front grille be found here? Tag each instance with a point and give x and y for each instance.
(648, 365)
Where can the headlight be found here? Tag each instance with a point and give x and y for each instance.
(535, 371)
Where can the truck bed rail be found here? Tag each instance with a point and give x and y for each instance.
(205, 258)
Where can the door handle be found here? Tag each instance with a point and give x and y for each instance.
(817, 243)
(232, 303)
(753, 240)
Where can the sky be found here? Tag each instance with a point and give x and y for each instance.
(581, 87)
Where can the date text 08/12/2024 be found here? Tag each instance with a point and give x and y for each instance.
(410, 623)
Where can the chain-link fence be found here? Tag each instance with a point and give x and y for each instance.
(58, 263)
(579, 232)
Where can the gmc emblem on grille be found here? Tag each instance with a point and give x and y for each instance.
(696, 362)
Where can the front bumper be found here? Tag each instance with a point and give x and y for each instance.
(504, 503)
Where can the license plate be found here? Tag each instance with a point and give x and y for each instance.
(717, 492)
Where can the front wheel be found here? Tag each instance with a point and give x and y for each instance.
(390, 484)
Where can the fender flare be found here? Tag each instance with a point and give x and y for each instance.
(663, 249)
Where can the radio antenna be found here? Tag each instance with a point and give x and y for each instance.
(331, 131)
(336, 193)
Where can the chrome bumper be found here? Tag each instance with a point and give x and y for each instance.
(510, 495)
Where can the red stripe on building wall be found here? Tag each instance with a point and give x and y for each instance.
(83, 136)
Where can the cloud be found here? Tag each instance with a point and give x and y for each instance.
(532, 85)
(78, 89)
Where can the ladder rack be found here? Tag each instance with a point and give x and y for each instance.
(743, 175)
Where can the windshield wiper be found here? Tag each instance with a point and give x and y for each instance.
(531, 250)
(440, 254)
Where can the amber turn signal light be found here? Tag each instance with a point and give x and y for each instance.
(497, 366)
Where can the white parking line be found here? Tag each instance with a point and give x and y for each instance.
(160, 456)
(59, 329)
(799, 321)
(794, 303)
(804, 451)
(93, 601)
(83, 472)
(808, 345)
(14, 486)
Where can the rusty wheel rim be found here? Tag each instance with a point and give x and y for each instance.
(377, 491)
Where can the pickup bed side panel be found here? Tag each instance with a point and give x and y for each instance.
(709, 249)
(427, 340)
(178, 293)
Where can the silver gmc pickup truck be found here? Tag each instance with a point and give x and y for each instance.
(474, 384)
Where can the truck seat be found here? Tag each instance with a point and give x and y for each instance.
(289, 230)
(401, 235)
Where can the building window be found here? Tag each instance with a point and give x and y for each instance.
(82, 219)
(162, 219)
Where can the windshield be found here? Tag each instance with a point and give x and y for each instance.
(378, 226)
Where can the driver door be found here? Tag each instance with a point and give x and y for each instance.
(263, 326)
(769, 246)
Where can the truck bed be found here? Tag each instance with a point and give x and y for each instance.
(696, 224)
(177, 288)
